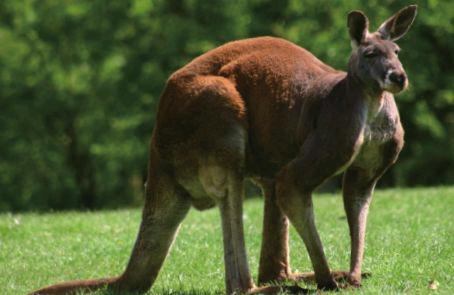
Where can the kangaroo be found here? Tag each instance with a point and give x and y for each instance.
(266, 109)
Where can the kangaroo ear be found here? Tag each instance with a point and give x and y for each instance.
(399, 24)
(358, 27)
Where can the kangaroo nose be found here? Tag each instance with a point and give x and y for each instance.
(398, 78)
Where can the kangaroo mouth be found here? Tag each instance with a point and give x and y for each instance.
(394, 87)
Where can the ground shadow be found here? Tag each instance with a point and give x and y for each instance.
(296, 290)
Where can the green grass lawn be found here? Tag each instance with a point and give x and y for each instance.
(410, 241)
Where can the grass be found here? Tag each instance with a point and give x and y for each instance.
(410, 241)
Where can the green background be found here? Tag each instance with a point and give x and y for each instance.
(80, 81)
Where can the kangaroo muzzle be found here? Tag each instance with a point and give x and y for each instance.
(395, 81)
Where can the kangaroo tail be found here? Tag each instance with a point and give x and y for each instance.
(74, 287)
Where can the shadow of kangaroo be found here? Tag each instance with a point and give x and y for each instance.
(269, 110)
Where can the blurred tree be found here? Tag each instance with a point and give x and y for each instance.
(80, 81)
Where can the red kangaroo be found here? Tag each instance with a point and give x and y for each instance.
(266, 109)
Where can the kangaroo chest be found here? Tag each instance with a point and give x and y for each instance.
(378, 130)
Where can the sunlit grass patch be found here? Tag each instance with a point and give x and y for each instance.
(409, 249)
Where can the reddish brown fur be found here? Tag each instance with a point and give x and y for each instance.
(267, 109)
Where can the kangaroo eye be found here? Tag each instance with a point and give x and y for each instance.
(396, 51)
(370, 54)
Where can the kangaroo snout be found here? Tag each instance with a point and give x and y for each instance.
(398, 78)
(395, 81)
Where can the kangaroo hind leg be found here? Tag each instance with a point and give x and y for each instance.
(274, 255)
(237, 274)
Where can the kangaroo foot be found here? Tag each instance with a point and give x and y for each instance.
(338, 275)
(355, 280)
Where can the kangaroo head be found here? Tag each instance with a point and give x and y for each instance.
(374, 60)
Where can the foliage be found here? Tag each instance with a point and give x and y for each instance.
(408, 244)
(80, 81)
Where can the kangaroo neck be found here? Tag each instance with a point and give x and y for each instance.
(370, 98)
